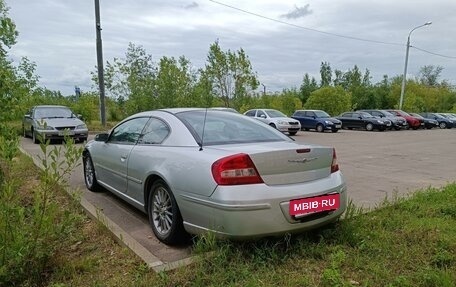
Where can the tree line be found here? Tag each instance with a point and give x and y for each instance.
(136, 83)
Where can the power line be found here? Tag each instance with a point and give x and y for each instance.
(306, 28)
(432, 53)
(324, 32)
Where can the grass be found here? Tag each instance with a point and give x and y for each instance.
(408, 242)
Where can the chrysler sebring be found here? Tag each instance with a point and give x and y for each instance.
(200, 170)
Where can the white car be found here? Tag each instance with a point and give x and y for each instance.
(276, 119)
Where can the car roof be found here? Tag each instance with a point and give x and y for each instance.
(50, 106)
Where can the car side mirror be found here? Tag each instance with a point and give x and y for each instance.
(262, 116)
(314, 117)
(103, 137)
(27, 116)
(360, 118)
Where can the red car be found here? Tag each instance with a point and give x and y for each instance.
(412, 122)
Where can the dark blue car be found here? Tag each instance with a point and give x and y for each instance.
(317, 120)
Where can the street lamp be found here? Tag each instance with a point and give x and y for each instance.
(406, 61)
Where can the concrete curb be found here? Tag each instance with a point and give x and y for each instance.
(122, 237)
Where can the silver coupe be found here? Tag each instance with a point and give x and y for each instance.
(53, 122)
(201, 170)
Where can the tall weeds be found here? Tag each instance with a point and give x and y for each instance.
(32, 227)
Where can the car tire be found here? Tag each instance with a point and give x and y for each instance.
(164, 215)
(292, 133)
(273, 125)
(320, 128)
(35, 138)
(306, 129)
(24, 134)
(369, 127)
(334, 130)
(442, 125)
(90, 178)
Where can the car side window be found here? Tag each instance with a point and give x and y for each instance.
(376, 114)
(261, 113)
(347, 115)
(128, 132)
(250, 113)
(155, 132)
(310, 114)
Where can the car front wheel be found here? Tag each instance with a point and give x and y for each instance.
(34, 137)
(90, 178)
(369, 127)
(164, 215)
(320, 128)
(442, 125)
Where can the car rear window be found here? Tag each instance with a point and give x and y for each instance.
(219, 127)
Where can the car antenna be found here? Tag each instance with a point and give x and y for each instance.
(204, 127)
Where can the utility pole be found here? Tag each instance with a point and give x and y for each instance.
(100, 64)
(264, 89)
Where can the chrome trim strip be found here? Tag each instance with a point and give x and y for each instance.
(135, 180)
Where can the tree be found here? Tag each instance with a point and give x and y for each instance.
(174, 83)
(333, 100)
(132, 78)
(230, 73)
(429, 75)
(307, 87)
(325, 74)
(8, 32)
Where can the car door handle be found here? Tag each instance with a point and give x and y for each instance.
(123, 158)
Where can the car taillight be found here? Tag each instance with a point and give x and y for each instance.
(334, 164)
(235, 170)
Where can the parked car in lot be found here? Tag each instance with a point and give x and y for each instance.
(199, 170)
(53, 122)
(412, 122)
(275, 119)
(317, 119)
(428, 123)
(444, 123)
(396, 122)
(449, 116)
(357, 120)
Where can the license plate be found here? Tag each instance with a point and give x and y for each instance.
(314, 204)
(338, 126)
(66, 133)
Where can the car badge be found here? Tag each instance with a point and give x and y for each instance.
(303, 160)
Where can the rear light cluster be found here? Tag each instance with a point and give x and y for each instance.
(334, 164)
(235, 170)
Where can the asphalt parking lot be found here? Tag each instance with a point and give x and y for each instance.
(375, 164)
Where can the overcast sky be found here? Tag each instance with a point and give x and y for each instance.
(59, 35)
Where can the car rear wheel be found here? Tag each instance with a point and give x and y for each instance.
(164, 215)
(369, 127)
(320, 128)
(442, 125)
(90, 178)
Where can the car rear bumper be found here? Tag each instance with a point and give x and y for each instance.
(244, 212)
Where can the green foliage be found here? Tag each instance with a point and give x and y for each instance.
(325, 74)
(174, 84)
(333, 100)
(308, 85)
(32, 227)
(8, 33)
(230, 74)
